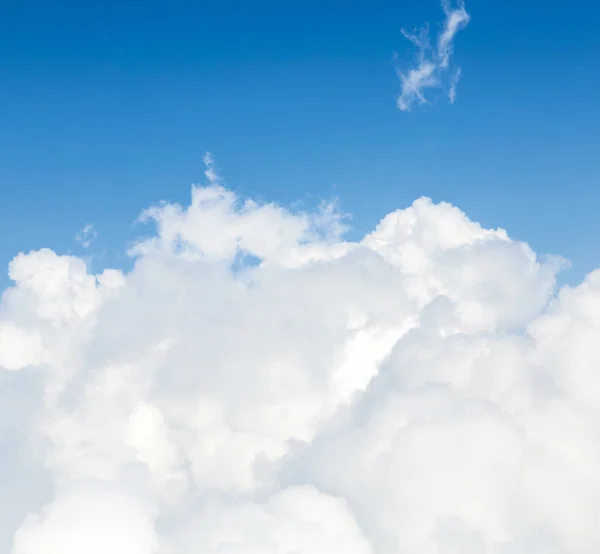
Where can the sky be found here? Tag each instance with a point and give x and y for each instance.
(296, 278)
(109, 107)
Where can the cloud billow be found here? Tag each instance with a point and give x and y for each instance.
(423, 389)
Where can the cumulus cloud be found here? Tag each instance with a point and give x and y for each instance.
(433, 63)
(423, 389)
(89, 519)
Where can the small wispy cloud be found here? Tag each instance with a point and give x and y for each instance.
(433, 67)
(86, 235)
(210, 169)
(453, 85)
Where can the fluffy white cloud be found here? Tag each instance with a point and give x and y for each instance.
(89, 519)
(433, 68)
(425, 389)
(299, 519)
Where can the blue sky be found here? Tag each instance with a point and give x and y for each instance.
(108, 107)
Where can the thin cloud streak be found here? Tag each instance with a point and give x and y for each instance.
(433, 64)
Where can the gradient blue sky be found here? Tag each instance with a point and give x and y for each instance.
(108, 107)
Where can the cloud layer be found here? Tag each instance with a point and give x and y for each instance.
(425, 389)
(433, 68)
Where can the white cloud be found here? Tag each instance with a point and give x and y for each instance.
(424, 389)
(453, 85)
(19, 348)
(86, 235)
(92, 519)
(433, 68)
(299, 519)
